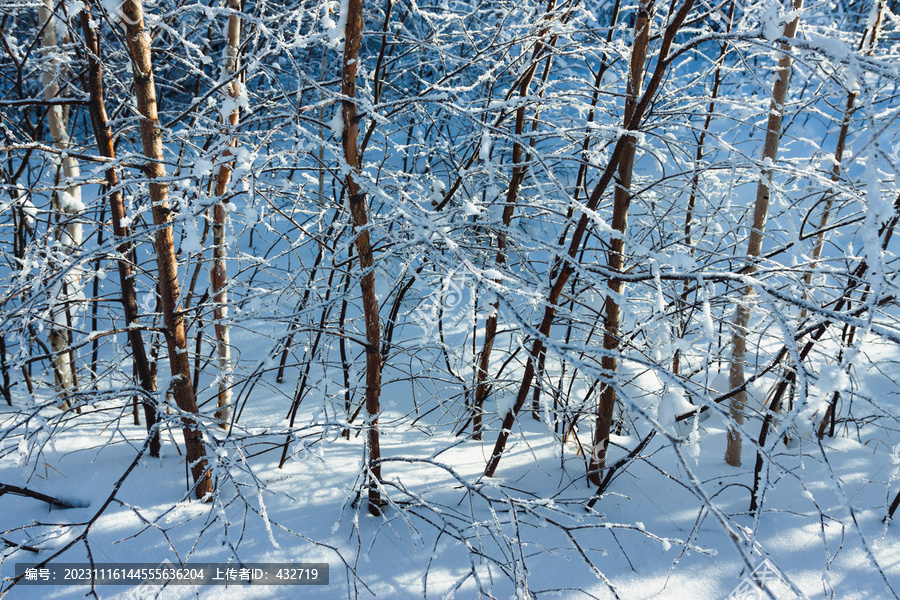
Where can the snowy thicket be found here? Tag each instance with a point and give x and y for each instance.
(535, 282)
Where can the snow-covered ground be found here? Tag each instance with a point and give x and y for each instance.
(675, 521)
(675, 524)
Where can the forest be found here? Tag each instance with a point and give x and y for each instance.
(459, 298)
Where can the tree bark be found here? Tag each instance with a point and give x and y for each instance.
(4, 369)
(125, 249)
(66, 205)
(518, 174)
(870, 37)
(566, 267)
(167, 263)
(359, 212)
(219, 274)
(695, 182)
(736, 375)
(616, 256)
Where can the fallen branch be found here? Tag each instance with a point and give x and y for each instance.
(10, 544)
(20, 491)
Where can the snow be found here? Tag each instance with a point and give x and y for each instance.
(202, 167)
(674, 520)
(671, 405)
(838, 49)
(75, 8)
(113, 9)
(191, 241)
(485, 148)
(28, 208)
(832, 378)
(471, 209)
(772, 22)
(336, 124)
(335, 31)
(70, 203)
(505, 405)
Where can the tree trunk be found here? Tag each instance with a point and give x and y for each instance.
(870, 37)
(125, 249)
(512, 192)
(4, 369)
(695, 184)
(616, 255)
(867, 43)
(167, 263)
(66, 205)
(754, 245)
(566, 267)
(360, 214)
(219, 276)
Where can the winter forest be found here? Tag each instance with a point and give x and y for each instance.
(463, 298)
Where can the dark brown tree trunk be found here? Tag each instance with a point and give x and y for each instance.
(616, 256)
(566, 268)
(482, 386)
(4, 368)
(359, 212)
(104, 138)
(167, 263)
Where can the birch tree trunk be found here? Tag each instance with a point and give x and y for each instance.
(125, 249)
(359, 212)
(736, 375)
(167, 264)
(66, 204)
(219, 274)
